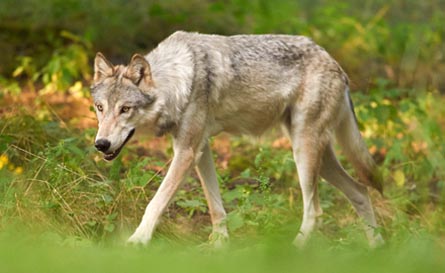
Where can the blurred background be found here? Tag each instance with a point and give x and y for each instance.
(400, 41)
(52, 179)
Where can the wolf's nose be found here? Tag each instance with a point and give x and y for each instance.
(102, 145)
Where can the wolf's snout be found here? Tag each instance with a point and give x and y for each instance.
(102, 145)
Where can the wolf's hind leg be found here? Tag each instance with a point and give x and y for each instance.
(307, 151)
(357, 194)
(207, 174)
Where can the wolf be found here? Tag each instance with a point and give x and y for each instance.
(194, 86)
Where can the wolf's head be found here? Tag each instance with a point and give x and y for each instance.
(123, 99)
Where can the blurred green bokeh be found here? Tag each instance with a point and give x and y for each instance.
(25, 255)
(399, 40)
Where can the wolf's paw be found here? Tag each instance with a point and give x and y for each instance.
(139, 238)
(300, 241)
(376, 242)
(218, 240)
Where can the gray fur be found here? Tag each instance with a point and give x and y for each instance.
(195, 86)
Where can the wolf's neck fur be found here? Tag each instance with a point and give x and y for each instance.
(172, 72)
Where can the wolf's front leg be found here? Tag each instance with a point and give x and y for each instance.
(207, 175)
(182, 162)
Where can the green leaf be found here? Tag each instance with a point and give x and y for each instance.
(109, 227)
(4, 142)
(235, 221)
(196, 204)
(229, 196)
(399, 178)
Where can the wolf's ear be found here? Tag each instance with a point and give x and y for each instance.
(139, 71)
(102, 67)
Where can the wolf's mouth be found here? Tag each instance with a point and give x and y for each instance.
(113, 155)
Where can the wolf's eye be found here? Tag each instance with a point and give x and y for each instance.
(100, 108)
(125, 109)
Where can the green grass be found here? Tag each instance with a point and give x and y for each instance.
(47, 254)
(63, 209)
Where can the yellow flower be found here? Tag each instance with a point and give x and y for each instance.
(3, 161)
(18, 170)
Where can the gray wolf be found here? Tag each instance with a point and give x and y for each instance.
(194, 86)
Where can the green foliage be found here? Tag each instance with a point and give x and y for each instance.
(406, 132)
(53, 38)
(66, 65)
(62, 71)
(50, 252)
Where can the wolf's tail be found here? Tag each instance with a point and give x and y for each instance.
(349, 138)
